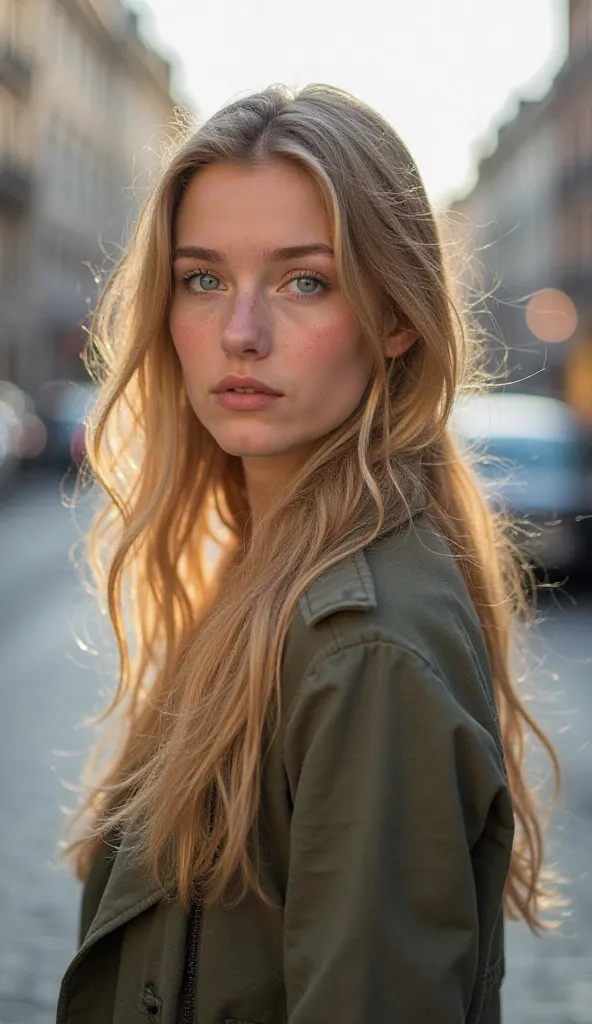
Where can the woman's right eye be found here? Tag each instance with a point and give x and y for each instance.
(200, 281)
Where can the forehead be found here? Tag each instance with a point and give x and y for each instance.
(265, 206)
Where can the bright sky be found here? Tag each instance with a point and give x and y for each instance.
(443, 72)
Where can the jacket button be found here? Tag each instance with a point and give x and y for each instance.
(150, 1001)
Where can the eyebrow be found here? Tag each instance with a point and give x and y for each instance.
(281, 255)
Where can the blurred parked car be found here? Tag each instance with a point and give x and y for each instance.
(22, 434)
(532, 460)
(64, 407)
(9, 424)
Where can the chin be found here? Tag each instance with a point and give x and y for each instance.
(252, 451)
(255, 447)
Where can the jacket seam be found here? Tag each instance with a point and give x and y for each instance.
(493, 976)
(338, 646)
(485, 690)
(486, 693)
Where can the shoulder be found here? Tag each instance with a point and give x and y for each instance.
(406, 586)
(405, 591)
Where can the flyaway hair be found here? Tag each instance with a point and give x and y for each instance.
(200, 605)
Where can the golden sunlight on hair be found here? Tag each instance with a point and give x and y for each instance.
(200, 604)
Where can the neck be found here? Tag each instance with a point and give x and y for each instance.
(265, 478)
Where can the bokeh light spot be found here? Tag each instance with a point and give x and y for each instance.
(551, 315)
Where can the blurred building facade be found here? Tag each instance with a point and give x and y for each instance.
(530, 217)
(17, 59)
(573, 131)
(84, 108)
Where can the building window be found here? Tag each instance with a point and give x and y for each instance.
(14, 24)
(9, 127)
(57, 186)
(584, 135)
(586, 238)
(10, 251)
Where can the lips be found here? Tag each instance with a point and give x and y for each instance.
(246, 401)
(232, 383)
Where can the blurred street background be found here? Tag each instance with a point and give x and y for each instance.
(495, 103)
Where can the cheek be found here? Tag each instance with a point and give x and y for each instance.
(190, 339)
(182, 333)
(335, 351)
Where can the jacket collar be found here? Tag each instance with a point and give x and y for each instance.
(129, 891)
(347, 585)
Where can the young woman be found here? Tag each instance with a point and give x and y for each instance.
(309, 815)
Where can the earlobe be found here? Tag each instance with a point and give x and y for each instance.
(399, 342)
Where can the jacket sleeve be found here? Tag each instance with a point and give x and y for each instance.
(400, 803)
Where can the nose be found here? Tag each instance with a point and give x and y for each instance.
(245, 332)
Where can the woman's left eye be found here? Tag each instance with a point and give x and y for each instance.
(308, 285)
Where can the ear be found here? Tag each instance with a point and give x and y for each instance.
(399, 342)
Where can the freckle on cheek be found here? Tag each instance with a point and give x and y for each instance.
(185, 333)
(323, 346)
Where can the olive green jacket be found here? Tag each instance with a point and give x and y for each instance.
(386, 829)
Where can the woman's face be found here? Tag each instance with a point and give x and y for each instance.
(256, 295)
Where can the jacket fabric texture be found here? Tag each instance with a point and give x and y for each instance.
(386, 830)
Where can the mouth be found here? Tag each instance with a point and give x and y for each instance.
(244, 386)
(247, 391)
(246, 399)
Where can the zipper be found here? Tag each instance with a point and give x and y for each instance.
(189, 1000)
(194, 929)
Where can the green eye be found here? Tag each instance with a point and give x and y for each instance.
(208, 282)
(307, 284)
(202, 281)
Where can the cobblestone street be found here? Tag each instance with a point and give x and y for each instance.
(47, 685)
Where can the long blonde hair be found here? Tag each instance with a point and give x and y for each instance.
(200, 605)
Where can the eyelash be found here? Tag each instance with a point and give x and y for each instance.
(314, 274)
